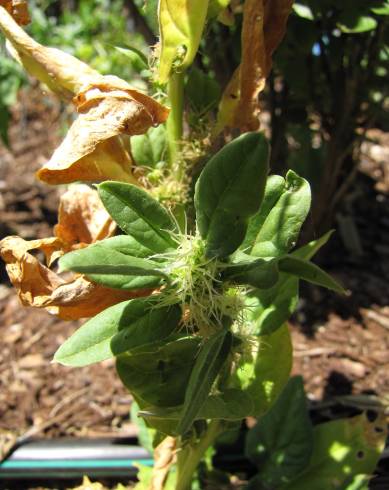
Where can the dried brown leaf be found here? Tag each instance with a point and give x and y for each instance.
(264, 26)
(82, 219)
(93, 150)
(38, 286)
(18, 9)
(164, 458)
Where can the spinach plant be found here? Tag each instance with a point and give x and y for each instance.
(192, 296)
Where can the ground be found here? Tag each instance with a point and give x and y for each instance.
(341, 343)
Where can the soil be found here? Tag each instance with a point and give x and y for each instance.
(341, 343)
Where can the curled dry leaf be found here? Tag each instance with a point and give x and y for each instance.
(108, 107)
(81, 218)
(164, 458)
(264, 26)
(93, 149)
(18, 9)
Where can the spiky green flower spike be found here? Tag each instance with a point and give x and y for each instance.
(179, 349)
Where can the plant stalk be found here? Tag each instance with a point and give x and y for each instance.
(174, 125)
(189, 457)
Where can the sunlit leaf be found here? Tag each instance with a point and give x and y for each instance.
(264, 368)
(181, 23)
(342, 448)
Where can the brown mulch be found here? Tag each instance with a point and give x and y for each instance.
(341, 344)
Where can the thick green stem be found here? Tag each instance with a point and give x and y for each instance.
(189, 457)
(175, 121)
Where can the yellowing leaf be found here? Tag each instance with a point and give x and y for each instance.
(18, 9)
(82, 220)
(264, 25)
(181, 23)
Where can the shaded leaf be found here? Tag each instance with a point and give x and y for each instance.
(159, 374)
(269, 309)
(202, 91)
(281, 443)
(259, 273)
(150, 148)
(212, 355)
(231, 405)
(229, 191)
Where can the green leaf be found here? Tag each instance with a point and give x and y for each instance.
(139, 215)
(202, 91)
(121, 327)
(303, 11)
(210, 359)
(181, 24)
(264, 368)
(279, 232)
(113, 269)
(137, 58)
(381, 10)
(259, 273)
(342, 449)
(159, 374)
(229, 191)
(281, 443)
(149, 149)
(275, 185)
(271, 308)
(309, 272)
(127, 245)
(230, 405)
(351, 22)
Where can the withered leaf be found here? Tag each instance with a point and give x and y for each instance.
(264, 25)
(18, 9)
(82, 220)
(92, 149)
(164, 458)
